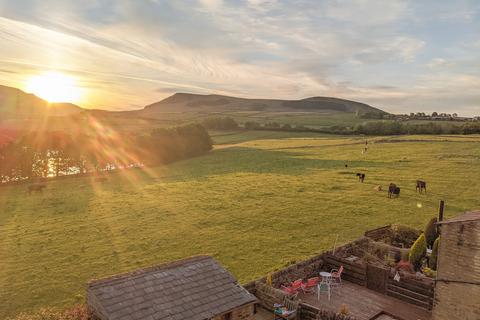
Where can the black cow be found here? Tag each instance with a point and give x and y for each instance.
(396, 192)
(361, 177)
(421, 186)
(393, 190)
(38, 187)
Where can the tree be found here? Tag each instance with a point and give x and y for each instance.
(252, 125)
(434, 114)
(432, 263)
(418, 252)
(431, 232)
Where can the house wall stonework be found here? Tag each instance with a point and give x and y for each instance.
(243, 313)
(459, 262)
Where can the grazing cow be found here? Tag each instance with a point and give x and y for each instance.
(361, 177)
(396, 192)
(378, 188)
(38, 187)
(346, 165)
(101, 179)
(421, 186)
(391, 190)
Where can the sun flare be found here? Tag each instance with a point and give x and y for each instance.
(54, 87)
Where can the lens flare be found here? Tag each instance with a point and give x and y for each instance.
(54, 87)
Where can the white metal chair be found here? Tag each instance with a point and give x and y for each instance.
(324, 288)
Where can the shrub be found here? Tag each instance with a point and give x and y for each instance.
(252, 125)
(429, 272)
(432, 263)
(404, 236)
(220, 123)
(417, 252)
(431, 232)
(344, 310)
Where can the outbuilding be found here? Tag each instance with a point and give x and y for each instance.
(457, 292)
(197, 288)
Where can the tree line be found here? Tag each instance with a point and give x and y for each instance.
(53, 154)
(374, 128)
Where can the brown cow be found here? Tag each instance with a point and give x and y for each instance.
(38, 187)
(361, 177)
(421, 186)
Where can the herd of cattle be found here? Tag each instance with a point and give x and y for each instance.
(393, 189)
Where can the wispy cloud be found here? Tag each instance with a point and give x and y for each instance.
(136, 52)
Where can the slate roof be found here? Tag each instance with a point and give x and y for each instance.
(196, 288)
(467, 216)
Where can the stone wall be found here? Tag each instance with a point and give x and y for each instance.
(268, 296)
(246, 312)
(457, 293)
(379, 233)
(308, 312)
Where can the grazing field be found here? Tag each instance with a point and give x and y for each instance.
(257, 203)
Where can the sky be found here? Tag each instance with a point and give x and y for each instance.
(400, 56)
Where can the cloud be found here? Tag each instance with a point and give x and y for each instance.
(436, 63)
(366, 12)
(136, 52)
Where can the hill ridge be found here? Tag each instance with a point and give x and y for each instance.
(183, 102)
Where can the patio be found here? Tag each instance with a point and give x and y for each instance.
(365, 304)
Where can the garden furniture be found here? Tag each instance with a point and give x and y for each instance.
(293, 288)
(326, 276)
(286, 310)
(310, 285)
(323, 288)
(336, 276)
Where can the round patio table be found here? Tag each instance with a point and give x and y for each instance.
(326, 276)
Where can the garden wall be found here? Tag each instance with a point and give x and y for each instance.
(353, 272)
(268, 296)
(379, 233)
(308, 312)
(417, 291)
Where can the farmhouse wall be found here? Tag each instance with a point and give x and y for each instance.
(459, 262)
(242, 313)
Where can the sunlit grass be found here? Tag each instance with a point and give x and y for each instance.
(255, 206)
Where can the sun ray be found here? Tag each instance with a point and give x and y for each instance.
(54, 87)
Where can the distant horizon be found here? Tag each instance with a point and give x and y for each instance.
(240, 97)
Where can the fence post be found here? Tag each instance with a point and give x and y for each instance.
(440, 210)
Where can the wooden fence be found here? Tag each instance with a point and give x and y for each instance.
(353, 272)
(411, 290)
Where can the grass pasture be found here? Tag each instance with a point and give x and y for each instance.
(257, 204)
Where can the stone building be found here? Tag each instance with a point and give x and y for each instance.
(196, 288)
(457, 293)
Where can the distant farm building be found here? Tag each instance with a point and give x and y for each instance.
(457, 293)
(196, 288)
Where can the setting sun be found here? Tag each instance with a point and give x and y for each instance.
(54, 87)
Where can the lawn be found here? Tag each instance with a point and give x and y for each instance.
(256, 204)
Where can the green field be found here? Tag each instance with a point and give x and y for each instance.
(259, 201)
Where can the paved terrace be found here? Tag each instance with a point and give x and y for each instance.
(365, 304)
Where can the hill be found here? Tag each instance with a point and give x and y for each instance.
(185, 102)
(16, 104)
